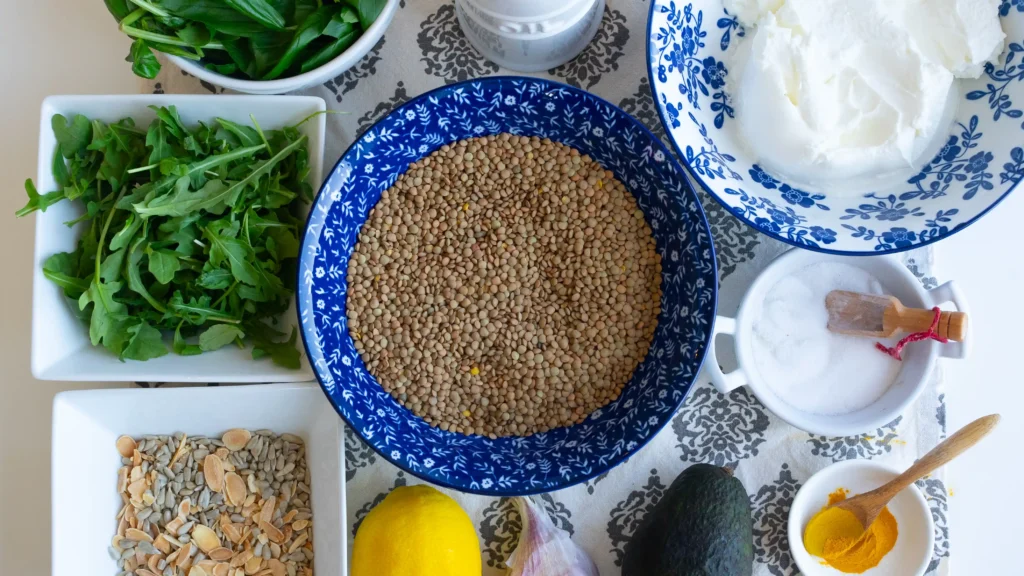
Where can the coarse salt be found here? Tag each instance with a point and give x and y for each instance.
(802, 362)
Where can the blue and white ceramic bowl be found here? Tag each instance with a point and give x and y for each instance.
(531, 107)
(688, 47)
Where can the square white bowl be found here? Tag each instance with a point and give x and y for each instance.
(85, 461)
(61, 349)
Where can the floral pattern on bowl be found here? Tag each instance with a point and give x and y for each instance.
(982, 161)
(563, 456)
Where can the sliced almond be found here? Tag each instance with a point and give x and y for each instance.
(144, 572)
(298, 542)
(184, 507)
(154, 561)
(137, 535)
(253, 564)
(300, 525)
(213, 470)
(250, 481)
(122, 479)
(148, 498)
(221, 569)
(136, 489)
(277, 567)
(232, 532)
(126, 446)
(174, 524)
(184, 553)
(130, 563)
(173, 557)
(197, 571)
(241, 559)
(207, 565)
(205, 538)
(221, 554)
(267, 512)
(234, 488)
(122, 526)
(135, 473)
(161, 544)
(273, 532)
(222, 453)
(236, 439)
(136, 458)
(275, 549)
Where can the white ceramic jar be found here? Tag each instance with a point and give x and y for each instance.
(529, 35)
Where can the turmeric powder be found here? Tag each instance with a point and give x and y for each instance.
(836, 536)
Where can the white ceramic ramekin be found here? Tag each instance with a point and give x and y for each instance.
(918, 359)
(529, 35)
(913, 550)
(335, 67)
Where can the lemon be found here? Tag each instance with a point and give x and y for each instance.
(416, 531)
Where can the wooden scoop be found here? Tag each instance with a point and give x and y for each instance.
(866, 507)
(875, 316)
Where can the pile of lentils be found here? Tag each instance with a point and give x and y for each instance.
(504, 286)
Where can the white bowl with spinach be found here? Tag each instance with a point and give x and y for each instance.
(166, 236)
(253, 46)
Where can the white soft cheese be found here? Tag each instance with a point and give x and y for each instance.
(832, 90)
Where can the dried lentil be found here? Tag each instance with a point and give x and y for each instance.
(504, 285)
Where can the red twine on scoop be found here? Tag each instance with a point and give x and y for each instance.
(896, 352)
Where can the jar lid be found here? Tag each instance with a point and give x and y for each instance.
(525, 10)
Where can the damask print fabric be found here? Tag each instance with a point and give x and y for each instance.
(425, 48)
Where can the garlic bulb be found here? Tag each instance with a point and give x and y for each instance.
(544, 549)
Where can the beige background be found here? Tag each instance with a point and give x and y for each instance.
(65, 47)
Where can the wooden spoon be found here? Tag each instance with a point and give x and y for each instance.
(866, 507)
(874, 316)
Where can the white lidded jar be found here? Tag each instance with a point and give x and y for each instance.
(530, 35)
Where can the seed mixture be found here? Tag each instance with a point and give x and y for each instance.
(504, 285)
(237, 506)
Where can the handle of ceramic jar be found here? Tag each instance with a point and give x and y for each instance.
(724, 382)
(950, 292)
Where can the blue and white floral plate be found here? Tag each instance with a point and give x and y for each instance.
(531, 107)
(981, 162)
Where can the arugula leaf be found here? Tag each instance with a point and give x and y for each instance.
(283, 354)
(134, 269)
(107, 323)
(308, 31)
(183, 348)
(73, 137)
(144, 343)
(260, 11)
(110, 270)
(60, 169)
(125, 235)
(144, 62)
(198, 310)
(61, 270)
(215, 279)
(219, 336)
(247, 135)
(37, 202)
(163, 264)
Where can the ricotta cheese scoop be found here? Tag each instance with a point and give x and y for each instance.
(830, 91)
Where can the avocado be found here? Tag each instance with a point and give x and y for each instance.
(701, 527)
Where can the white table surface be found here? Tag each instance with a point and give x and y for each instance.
(63, 47)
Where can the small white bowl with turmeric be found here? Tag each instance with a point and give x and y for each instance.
(829, 543)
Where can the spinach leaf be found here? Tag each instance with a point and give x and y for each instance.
(144, 62)
(260, 11)
(195, 34)
(330, 51)
(368, 10)
(307, 32)
(216, 14)
(119, 9)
